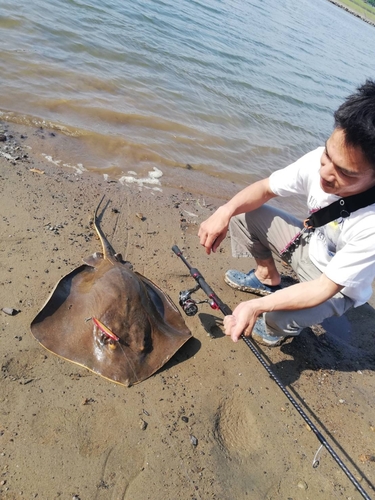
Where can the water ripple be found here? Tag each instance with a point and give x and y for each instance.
(227, 86)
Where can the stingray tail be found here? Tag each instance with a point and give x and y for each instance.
(108, 251)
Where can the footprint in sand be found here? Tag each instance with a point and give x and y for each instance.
(237, 427)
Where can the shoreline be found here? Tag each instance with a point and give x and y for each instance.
(353, 12)
(69, 433)
(53, 150)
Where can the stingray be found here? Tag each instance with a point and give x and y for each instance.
(109, 319)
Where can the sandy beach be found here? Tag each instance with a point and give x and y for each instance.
(211, 424)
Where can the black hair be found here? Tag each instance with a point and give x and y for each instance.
(356, 118)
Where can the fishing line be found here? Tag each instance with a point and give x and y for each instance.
(185, 469)
(130, 363)
(316, 459)
(168, 435)
(225, 309)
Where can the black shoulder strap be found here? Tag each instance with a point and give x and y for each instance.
(341, 208)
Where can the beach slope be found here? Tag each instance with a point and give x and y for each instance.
(211, 424)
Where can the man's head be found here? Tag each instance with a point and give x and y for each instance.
(356, 117)
(348, 161)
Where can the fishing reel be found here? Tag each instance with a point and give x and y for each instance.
(189, 305)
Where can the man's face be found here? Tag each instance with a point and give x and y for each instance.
(344, 170)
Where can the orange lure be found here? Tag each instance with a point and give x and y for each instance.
(105, 330)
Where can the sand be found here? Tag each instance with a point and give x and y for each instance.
(211, 424)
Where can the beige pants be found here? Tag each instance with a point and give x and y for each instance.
(267, 231)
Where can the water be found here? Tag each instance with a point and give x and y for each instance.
(235, 88)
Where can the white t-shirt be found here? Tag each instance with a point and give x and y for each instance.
(344, 250)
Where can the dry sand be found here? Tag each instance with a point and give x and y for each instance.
(66, 433)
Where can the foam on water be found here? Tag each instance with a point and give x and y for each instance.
(152, 178)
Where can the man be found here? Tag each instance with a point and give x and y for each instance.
(335, 263)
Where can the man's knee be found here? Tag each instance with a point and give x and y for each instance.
(282, 323)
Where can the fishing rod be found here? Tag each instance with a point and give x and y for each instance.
(189, 305)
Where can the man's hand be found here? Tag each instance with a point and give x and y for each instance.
(293, 298)
(213, 230)
(242, 320)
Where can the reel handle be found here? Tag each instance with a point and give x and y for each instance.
(203, 283)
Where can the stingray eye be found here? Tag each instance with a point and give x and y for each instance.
(112, 345)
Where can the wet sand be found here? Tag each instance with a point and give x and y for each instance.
(211, 424)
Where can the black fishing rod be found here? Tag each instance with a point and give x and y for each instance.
(189, 306)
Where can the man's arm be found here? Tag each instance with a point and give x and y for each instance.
(300, 296)
(213, 230)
